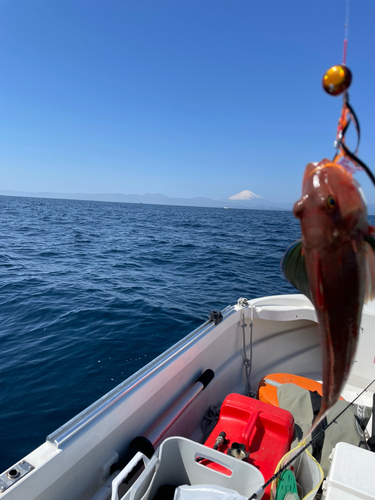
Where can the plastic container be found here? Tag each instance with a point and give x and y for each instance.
(120, 478)
(206, 492)
(308, 473)
(265, 431)
(351, 475)
(175, 463)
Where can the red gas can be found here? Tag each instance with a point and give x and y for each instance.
(259, 430)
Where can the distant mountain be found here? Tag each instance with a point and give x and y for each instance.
(244, 195)
(244, 199)
(248, 199)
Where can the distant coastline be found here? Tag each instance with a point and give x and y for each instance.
(158, 199)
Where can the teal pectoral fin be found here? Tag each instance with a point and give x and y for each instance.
(294, 268)
(370, 238)
(370, 267)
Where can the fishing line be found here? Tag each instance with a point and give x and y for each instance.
(258, 494)
(336, 81)
(346, 30)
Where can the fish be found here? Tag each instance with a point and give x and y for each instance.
(334, 266)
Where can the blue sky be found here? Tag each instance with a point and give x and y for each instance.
(185, 98)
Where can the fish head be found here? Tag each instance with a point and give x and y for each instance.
(332, 208)
(330, 266)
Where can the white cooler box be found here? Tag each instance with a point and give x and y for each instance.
(351, 475)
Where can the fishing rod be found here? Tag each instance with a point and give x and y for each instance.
(259, 493)
(336, 81)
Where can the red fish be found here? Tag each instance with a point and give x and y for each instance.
(334, 265)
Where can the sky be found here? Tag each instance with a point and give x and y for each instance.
(181, 97)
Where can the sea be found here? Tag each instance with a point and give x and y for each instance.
(92, 291)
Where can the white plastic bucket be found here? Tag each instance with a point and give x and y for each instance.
(309, 474)
(175, 463)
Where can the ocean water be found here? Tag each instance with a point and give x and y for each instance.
(92, 291)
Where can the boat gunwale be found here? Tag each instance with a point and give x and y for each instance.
(89, 414)
(85, 417)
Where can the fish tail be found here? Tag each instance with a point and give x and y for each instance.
(322, 413)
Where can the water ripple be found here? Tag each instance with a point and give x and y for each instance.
(92, 291)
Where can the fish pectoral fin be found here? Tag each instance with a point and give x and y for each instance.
(370, 237)
(370, 268)
(294, 268)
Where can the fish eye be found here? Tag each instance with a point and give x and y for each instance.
(331, 202)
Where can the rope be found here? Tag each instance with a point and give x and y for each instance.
(247, 360)
(210, 420)
(255, 496)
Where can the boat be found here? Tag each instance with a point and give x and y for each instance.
(162, 406)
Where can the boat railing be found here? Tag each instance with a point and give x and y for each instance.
(104, 404)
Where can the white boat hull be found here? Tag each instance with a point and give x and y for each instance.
(75, 460)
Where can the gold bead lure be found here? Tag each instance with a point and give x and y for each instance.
(336, 81)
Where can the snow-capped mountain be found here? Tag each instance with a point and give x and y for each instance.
(244, 195)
